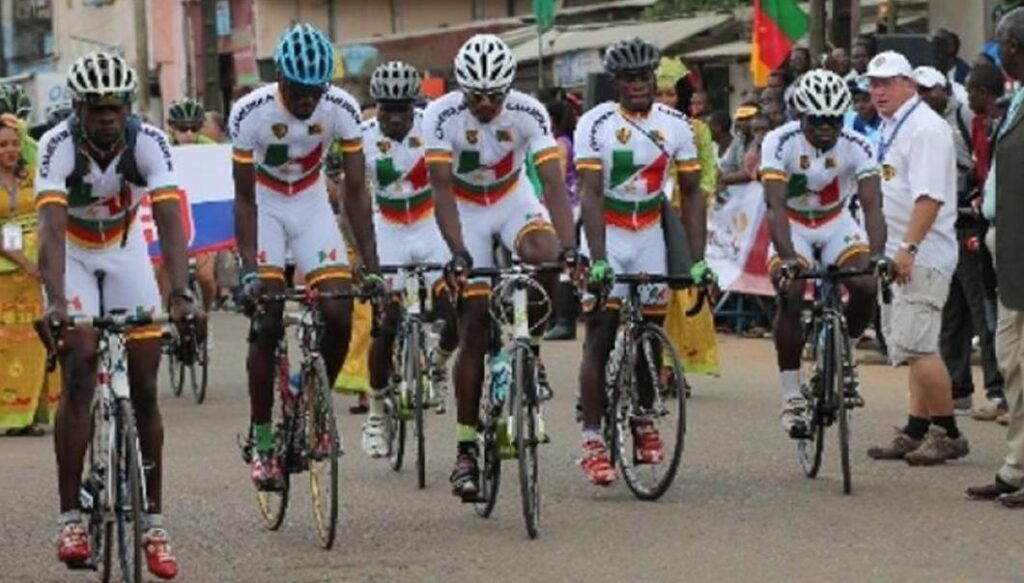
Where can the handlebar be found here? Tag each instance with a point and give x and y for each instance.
(411, 267)
(517, 269)
(635, 279)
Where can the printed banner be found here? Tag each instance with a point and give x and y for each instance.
(738, 241)
(208, 200)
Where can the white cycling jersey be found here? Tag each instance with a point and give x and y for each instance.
(488, 159)
(101, 230)
(291, 193)
(404, 221)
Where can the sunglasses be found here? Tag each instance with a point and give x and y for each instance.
(825, 120)
(634, 76)
(478, 97)
(297, 91)
(191, 129)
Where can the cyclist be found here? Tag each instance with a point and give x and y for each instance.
(95, 169)
(810, 167)
(477, 141)
(405, 226)
(625, 152)
(280, 134)
(185, 120)
(14, 101)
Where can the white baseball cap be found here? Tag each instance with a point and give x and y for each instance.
(929, 78)
(888, 64)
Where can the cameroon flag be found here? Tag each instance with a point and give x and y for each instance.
(778, 25)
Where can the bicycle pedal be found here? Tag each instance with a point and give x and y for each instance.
(87, 565)
(800, 432)
(474, 498)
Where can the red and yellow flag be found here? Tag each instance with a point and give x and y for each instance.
(778, 25)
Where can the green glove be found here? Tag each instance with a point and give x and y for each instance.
(600, 273)
(701, 273)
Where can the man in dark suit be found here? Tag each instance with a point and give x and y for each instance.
(1004, 206)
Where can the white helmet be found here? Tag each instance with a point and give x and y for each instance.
(98, 75)
(395, 81)
(485, 63)
(822, 92)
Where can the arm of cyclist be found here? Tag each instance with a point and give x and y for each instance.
(359, 209)
(778, 220)
(53, 226)
(167, 217)
(557, 201)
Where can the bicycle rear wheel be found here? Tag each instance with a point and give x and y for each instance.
(129, 502)
(175, 367)
(273, 505)
(842, 412)
(199, 370)
(663, 407)
(523, 405)
(324, 450)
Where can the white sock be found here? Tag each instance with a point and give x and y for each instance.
(439, 357)
(790, 384)
(376, 408)
(592, 434)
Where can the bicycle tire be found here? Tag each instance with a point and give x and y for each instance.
(101, 530)
(523, 404)
(811, 450)
(175, 367)
(417, 369)
(273, 505)
(654, 343)
(129, 512)
(397, 412)
(842, 412)
(202, 361)
(323, 444)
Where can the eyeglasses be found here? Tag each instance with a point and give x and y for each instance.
(478, 97)
(296, 91)
(189, 129)
(825, 120)
(635, 75)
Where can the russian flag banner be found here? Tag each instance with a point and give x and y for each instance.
(207, 200)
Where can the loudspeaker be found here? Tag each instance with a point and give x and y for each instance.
(919, 49)
(600, 88)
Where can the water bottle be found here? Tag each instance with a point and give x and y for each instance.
(295, 384)
(501, 376)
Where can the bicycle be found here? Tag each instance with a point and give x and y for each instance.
(410, 390)
(628, 406)
(511, 379)
(113, 489)
(188, 351)
(305, 428)
(831, 392)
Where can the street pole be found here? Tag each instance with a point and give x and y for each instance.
(190, 66)
(211, 64)
(854, 20)
(142, 54)
(890, 24)
(817, 30)
(841, 16)
(540, 59)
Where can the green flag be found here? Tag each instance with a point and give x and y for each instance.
(544, 10)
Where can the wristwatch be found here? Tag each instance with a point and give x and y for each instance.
(185, 294)
(910, 248)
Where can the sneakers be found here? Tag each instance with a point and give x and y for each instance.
(1003, 419)
(1012, 500)
(597, 463)
(73, 543)
(375, 441)
(266, 473)
(465, 477)
(159, 559)
(990, 491)
(648, 448)
(439, 382)
(990, 411)
(544, 392)
(901, 445)
(938, 448)
(963, 406)
(794, 418)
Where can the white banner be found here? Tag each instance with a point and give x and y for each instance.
(732, 231)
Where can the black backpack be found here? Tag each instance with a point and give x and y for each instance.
(127, 166)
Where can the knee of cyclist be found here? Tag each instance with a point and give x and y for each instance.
(862, 288)
(269, 333)
(144, 399)
(337, 320)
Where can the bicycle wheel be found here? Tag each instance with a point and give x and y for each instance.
(662, 409)
(199, 370)
(175, 368)
(415, 372)
(842, 412)
(98, 458)
(273, 505)
(129, 502)
(398, 409)
(490, 462)
(809, 450)
(523, 405)
(324, 450)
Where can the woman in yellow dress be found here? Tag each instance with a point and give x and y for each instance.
(26, 402)
(694, 337)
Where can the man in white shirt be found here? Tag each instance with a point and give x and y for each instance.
(918, 162)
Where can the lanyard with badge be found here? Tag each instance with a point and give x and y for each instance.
(885, 145)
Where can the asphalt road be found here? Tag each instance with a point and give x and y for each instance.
(740, 510)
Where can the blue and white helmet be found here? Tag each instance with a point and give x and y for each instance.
(305, 55)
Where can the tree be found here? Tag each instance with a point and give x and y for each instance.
(668, 8)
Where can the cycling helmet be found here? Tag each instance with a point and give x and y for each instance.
(102, 76)
(186, 112)
(822, 92)
(631, 54)
(14, 101)
(395, 81)
(58, 112)
(305, 55)
(485, 63)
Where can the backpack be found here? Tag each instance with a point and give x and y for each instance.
(127, 166)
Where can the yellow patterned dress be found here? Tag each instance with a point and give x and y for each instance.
(694, 337)
(23, 378)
